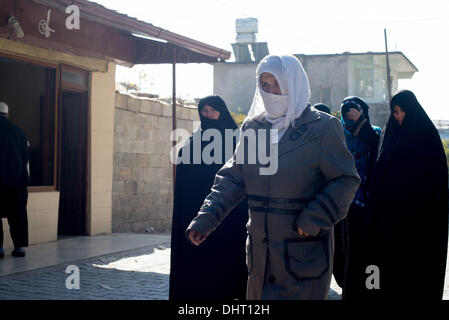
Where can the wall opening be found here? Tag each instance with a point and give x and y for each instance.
(29, 90)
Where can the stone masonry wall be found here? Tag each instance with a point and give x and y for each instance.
(142, 191)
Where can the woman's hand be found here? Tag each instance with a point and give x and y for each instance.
(302, 233)
(353, 114)
(197, 238)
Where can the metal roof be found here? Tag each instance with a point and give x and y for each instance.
(393, 53)
(188, 50)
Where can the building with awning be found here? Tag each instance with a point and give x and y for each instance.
(332, 78)
(57, 64)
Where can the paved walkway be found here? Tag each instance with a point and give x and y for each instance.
(111, 267)
(116, 266)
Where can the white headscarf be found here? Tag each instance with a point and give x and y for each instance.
(295, 89)
(3, 108)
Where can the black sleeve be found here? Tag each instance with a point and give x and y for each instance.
(365, 132)
(25, 158)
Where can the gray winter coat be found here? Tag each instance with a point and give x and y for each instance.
(315, 183)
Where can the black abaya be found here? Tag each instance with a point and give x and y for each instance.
(217, 269)
(409, 207)
(350, 233)
(14, 180)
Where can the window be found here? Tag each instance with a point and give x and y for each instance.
(29, 90)
(74, 79)
(365, 82)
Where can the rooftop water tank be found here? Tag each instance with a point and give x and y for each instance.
(247, 25)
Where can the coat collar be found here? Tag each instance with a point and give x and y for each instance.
(309, 115)
(300, 133)
(296, 135)
(262, 122)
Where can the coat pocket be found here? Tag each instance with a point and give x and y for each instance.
(306, 259)
(249, 253)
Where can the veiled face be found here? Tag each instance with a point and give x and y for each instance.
(210, 113)
(269, 84)
(399, 114)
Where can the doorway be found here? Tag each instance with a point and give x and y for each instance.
(29, 88)
(73, 160)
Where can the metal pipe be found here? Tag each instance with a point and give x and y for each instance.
(388, 67)
(174, 113)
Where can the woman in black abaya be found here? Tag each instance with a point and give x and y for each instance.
(409, 205)
(217, 270)
(362, 140)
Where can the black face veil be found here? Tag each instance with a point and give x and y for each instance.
(223, 253)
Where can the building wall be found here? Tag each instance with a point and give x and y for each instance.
(100, 160)
(236, 84)
(26, 51)
(327, 73)
(42, 219)
(379, 114)
(379, 107)
(43, 206)
(142, 197)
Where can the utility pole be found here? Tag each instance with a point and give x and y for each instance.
(174, 112)
(388, 68)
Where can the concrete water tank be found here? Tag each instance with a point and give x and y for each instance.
(247, 25)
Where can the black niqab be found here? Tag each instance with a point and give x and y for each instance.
(216, 270)
(361, 103)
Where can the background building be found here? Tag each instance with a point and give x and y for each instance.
(59, 83)
(332, 77)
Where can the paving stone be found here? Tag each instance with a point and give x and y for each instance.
(138, 274)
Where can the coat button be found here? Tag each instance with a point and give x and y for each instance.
(271, 279)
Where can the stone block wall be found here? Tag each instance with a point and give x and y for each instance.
(142, 190)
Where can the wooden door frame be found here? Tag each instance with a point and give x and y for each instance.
(87, 91)
(59, 87)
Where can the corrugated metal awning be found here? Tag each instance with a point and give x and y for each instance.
(148, 51)
(154, 52)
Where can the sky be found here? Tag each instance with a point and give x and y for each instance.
(417, 28)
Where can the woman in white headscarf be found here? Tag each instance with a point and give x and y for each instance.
(292, 210)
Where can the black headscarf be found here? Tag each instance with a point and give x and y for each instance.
(216, 269)
(322, 107)
(416, 129)
(361, 103)
(224, 122)
(345, 107)
(409, 204)
(362, 141)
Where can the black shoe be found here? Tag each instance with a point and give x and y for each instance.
(18, 253)
(2, 255)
